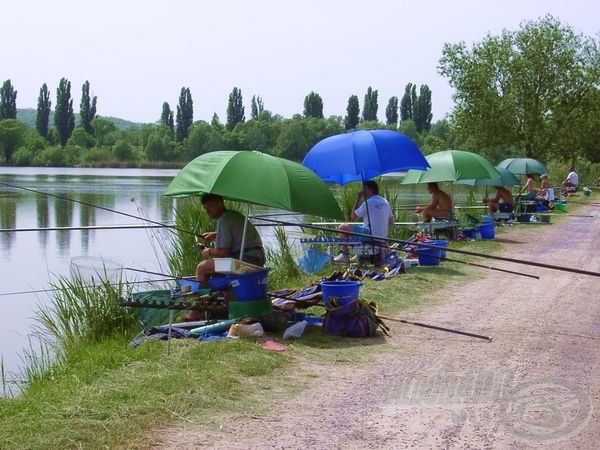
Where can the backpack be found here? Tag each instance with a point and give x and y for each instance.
(354, 319)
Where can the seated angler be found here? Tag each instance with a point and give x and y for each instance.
(440, 206)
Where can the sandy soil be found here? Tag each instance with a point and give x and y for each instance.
(536, 385)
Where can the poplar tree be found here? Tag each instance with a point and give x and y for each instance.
(352, 113)
(423, 113)
(370, 105)
(8, 101)
(257, 107)
(166, 117)
(406, 104)
(42, 118)
(391, 112)
(87, 108)
(235, 109)
(313, 106)
(64, 119)
(185, 114)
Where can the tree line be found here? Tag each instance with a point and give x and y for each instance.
(531, 92)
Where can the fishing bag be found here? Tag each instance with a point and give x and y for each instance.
(354, 319)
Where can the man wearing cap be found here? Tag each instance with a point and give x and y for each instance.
(545, 192)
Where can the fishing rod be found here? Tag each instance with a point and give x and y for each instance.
(464, 252)
(82, 228)
(490, 267)
(99, 207)
(172, 277)
(394, 319)
(435, 327)
(40, 291)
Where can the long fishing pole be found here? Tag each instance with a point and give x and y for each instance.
(393, 319)
(464, 252)
(99, 207)
(82, 228)
(435, 327)
(492, 268)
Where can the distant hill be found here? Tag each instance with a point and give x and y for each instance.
(28, 115)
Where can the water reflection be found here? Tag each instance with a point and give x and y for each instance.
(31, 260)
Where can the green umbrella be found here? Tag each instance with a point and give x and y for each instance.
(452, 165)
(507, 178)
(521, 166)
(257, 178)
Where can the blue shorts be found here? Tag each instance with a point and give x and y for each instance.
(505, 207)
(362, 230)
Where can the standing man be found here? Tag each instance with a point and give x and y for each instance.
(376, 213)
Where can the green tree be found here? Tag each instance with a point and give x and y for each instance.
(257, 106)
(64, 118)
(391, 111)
(80, 138)
(185, 114)
(235, 109)
(8, 101)
(422, 111)
(166, 117)
(313, 106)
(104, 131)
(370, 105)
(535, 89)
(42, 119)
(352, 113)
(406, 108)
(87, 108)
(123, 151)
(12, 134)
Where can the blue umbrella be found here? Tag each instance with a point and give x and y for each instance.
(362, 155)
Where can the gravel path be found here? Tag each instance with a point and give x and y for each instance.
(536, 385)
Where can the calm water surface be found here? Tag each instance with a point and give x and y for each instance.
(30, 260)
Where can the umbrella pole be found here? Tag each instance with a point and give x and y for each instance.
(244, 232)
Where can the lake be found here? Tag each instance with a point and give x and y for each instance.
(30, 260)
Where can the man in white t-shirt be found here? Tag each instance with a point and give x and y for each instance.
(571, 183)
(376, 213)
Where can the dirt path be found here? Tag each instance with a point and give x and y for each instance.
(536, 385)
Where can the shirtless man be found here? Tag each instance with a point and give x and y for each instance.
(503, 201)
(440, 206)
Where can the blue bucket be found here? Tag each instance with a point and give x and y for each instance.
(487, 231)
(440, 243)
(487, 218)
(429, 256)
(250, 286)
(344, 291)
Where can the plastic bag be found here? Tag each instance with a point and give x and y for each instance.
(295, 331)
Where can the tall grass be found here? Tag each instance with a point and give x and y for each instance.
(191, 218)
(282, 260)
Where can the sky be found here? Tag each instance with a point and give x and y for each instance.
(137, 54)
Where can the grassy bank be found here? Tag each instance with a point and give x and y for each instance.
(102, 393)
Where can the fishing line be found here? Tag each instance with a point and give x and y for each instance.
(40, 291)
(455, 250)
(99, 207)
(82, 228)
